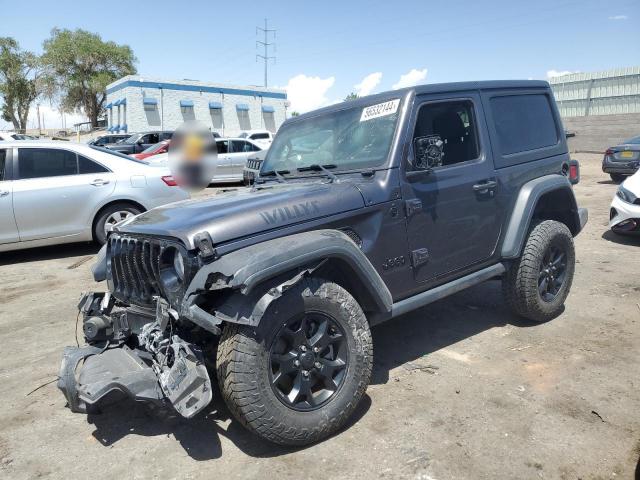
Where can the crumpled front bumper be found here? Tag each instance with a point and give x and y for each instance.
(134, 356)
(91, 376)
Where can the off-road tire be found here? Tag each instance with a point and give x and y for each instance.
(520, 282)
(98, 225)
(243, 367)
(617, 177)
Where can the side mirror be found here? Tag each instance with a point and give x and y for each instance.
(429, 151)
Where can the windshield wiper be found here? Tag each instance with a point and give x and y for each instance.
(275, 173)
(320, 168)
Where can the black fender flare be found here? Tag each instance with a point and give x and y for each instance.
(285, 260)
(525, 205)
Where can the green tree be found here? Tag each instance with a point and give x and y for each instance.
(351, 96)
(79, 65)
(18, 82)
(294, 114)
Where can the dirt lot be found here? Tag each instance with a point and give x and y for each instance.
(461, 389)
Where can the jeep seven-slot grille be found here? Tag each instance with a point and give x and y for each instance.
(135, 268)
(254, 164)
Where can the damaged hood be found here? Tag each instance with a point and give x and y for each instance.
(245, 212)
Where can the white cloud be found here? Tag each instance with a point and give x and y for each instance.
(368, 84)
(619, 17)
(559, 73)
(308, 93)
(411, 78)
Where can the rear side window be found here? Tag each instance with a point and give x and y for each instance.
(523, 123)
(3, 158)
(223, 146)
(89, 166)
(46, 162)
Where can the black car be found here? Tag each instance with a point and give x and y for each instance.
(138, 142)
(108, 139)
(622, 160)
(362, 211)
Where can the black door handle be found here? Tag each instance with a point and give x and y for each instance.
(488, 185)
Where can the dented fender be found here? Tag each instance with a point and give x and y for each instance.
(259, 274)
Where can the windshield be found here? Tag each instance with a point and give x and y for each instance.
(132, 139)
(117, 154)
(353, 138)
(634, 141)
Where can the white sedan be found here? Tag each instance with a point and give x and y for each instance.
(232, 158)
(624, 216)
(63, 192)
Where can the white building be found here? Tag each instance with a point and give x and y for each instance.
(611, 92)
(137, 104)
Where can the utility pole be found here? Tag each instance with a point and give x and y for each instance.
(266, 46)
(39, 128)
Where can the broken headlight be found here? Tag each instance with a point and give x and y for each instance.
(172, 268)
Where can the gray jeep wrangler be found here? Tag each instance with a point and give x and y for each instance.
(362, 211)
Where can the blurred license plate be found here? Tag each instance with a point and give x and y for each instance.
(626, 154)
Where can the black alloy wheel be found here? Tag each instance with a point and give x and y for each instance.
(308, 361)
(553, 270)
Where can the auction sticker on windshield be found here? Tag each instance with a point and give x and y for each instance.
(380, 110)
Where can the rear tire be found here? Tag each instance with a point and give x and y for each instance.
(617, 177)
(254, 363)
(109, 214)
(537, 284)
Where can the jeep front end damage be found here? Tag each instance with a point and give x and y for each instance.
(136, 353)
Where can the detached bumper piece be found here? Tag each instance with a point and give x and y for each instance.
(132, 356)
(105, 377)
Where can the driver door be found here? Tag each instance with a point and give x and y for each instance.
(8, 226)
(454, 215)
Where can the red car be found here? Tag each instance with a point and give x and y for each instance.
(160, 147)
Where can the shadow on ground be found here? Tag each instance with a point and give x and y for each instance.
(621, 239)
(49, 253)
(397, 342)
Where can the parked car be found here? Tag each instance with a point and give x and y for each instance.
(139, 142)
(251, 169)
(160, 147)
(232, 158)
(260, 137)
(9, 136)
(370, 209)
(624, 215)
(622, 160)
(108, 139)
(55, 192)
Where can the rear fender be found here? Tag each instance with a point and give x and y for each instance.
(550, 197)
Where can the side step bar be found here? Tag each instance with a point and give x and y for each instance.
(425, 298)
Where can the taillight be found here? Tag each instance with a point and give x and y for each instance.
(608, 152)
(170, 181)
(574, 171)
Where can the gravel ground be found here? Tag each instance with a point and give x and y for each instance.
(461, 389)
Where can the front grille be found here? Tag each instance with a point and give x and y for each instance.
(134, 268)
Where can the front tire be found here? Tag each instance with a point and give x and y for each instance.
(297, 377)
(537, 284)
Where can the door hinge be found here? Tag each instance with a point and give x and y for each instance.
(419, 256)
(412, 206)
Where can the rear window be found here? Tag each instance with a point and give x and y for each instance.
(523, 123)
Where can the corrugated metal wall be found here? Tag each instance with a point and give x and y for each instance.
(598, 93)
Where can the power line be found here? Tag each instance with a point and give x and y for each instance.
(266, 46)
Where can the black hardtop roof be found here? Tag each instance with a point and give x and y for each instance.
(426, 89)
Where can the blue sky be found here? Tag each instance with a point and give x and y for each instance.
(325, 49)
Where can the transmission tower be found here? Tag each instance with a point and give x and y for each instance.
(265, 44)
